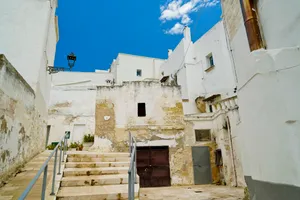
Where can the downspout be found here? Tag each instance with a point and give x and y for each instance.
(251, 24)
(48, 30)
(232, 152)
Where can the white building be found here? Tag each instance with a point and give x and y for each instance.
(204, 72)
(72, 103)
(128, 67)
(29, 33)
(206, 75)
(202, 68)
(73, 94)
(267, 60)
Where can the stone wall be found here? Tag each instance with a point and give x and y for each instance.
(21, 126)
(232, 16)
(71, 106)
(224, 135)
(163, 125)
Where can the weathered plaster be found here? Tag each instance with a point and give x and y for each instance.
(21, 124)
(231, 172)
(116, 116)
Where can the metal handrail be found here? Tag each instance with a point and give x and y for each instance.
(132, 168)
(44, 169)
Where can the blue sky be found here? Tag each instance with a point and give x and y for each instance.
(97, 30)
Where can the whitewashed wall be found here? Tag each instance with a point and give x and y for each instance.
(73, 101)
(28, 39)
(268, 85)
(189, 62)
(81, 78)
(126, 66)
(280, 29)
(21, 124)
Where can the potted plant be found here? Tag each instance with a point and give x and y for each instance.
(88, 140)
(79, 147)
(73, 146)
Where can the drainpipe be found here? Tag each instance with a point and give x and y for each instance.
(48, 29)
(232, 152)
(251, 24)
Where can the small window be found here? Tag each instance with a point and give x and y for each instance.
(210, 62)
(202, 135)
(141, 110)
(211, 108)
(218, 157)
(138, 72)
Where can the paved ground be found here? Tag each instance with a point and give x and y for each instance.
(16, 185)
(207, 192)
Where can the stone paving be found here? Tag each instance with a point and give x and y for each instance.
(17, 184)
(206, 192)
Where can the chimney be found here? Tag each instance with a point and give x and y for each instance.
(170, 51)
(187, 33)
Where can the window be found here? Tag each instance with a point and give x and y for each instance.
(202, 135)
(211, 108)
(138, 72)
(210, 62)
(141, 110)
(218, 157)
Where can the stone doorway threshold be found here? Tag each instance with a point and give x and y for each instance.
(194, 192)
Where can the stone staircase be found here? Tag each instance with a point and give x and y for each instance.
(92, 175)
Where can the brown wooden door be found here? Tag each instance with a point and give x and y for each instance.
(153, 166)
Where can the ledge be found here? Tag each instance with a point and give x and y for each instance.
(4, 63)
(209, 68)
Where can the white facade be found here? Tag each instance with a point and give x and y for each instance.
(189, 61)
(29, 33)
(72, 103)
(28, 39)
(125, 67)
(268, 85)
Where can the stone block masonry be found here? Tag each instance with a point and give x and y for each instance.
(163, 125)
(21, 126)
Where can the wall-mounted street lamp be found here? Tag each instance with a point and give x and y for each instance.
(71, 62)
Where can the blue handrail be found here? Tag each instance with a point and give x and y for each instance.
(132, 168)
(44, 169)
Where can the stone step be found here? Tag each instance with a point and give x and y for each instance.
(103, 159)
(83, 154)
(94, 171)
(115, 179)
(111, 192)
(96, 164)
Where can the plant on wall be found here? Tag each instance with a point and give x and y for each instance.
(51, 146)
(76, 145)
(73, 145)
(88, 138)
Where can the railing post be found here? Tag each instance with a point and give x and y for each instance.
(65, 145)
(129, 185)
(132, 184)
(135, 170)
(130, 143)
(63, 148)
(44, 182)
(59, 166)
(54, 173)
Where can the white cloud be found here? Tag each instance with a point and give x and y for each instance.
(186, 20)
(177, 29)
(181, 9)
